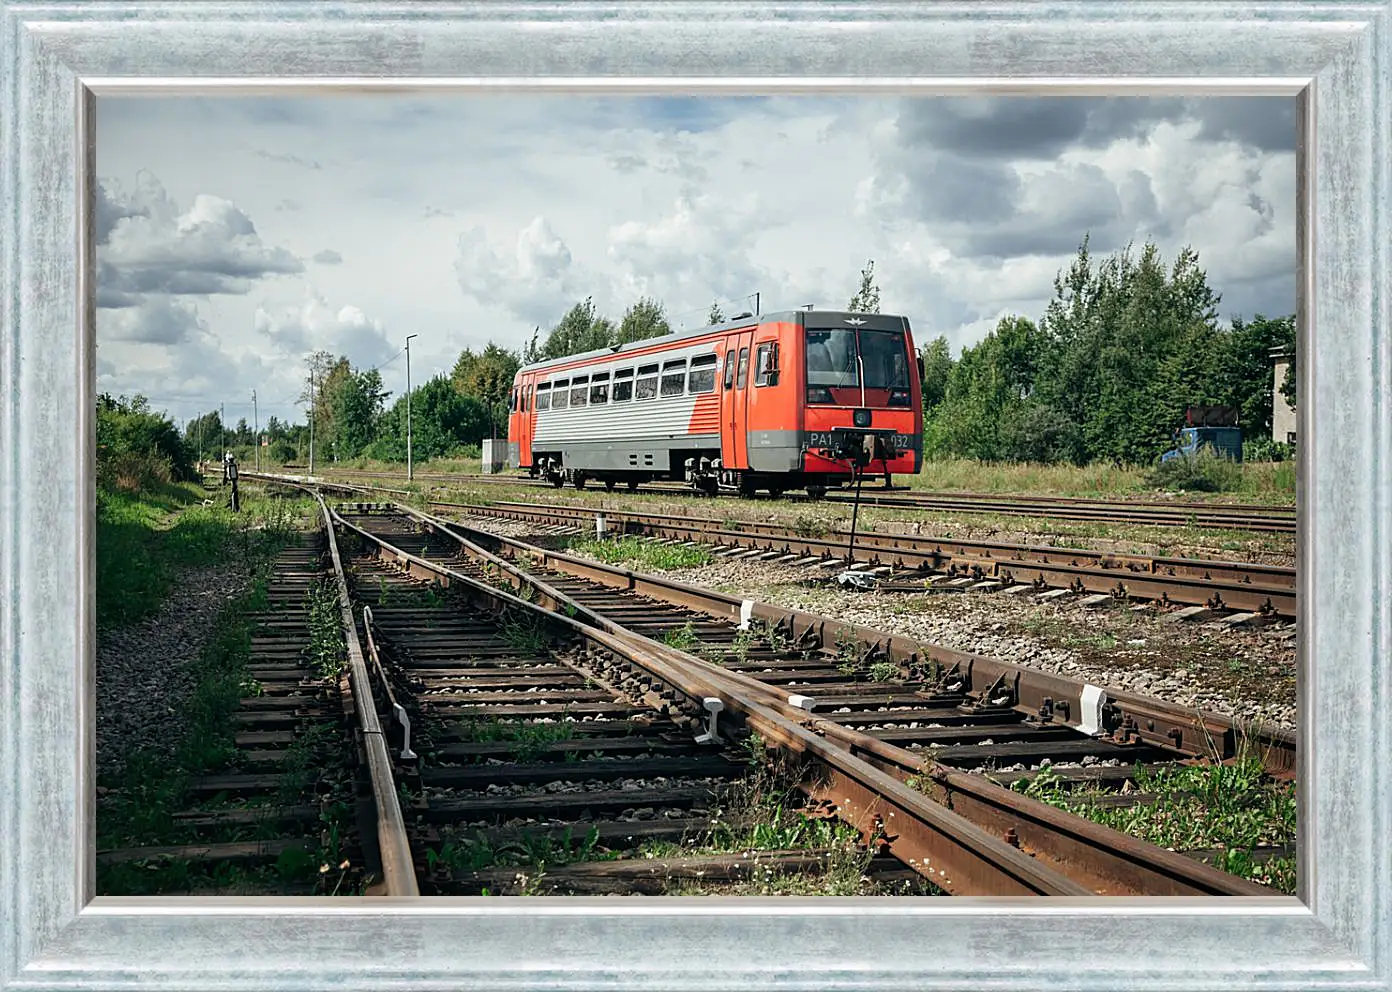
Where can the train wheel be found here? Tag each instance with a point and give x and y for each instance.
(816, 492)
(776, 492)
(609, 485)
(633, 485)
(558, 480)
(747, 489)
(580, 480)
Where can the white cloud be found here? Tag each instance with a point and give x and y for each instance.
(152, 246)
(466, 219)
(315, 324)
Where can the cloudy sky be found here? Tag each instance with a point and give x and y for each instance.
(235, 236)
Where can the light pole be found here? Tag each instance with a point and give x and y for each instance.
(409, 472)
(255, 430)
(311, 421)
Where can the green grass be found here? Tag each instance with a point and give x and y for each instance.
(1233, 807)
(1272, 482)
(144, 540)
(643, 555)
(529, 739)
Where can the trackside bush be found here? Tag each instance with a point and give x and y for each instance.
(1202, 472)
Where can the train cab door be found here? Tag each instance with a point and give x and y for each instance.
(734, 399)
(525, 406)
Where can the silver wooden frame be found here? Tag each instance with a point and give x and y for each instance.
(1333, 56)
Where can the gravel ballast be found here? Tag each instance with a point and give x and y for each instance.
(1248, 673)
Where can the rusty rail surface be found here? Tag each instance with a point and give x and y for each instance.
(1266, 589)
(957, 855)
(398, 869)
(1103, 860)
(1258, 518)
(1194, 733)
(1260, 589)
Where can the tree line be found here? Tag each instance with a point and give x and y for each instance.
(1103, 374)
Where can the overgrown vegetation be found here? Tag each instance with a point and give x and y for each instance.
(1233, 808)
(643, 555)
(327, 650)
(1106, 373)
(1202, 471)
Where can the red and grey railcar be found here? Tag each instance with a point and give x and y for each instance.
(802, 399)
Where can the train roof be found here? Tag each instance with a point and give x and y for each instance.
(803, 318)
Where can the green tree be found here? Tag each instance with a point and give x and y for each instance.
(645, 319)
(937, 368)
(867, 298)
(443, 421)
(488, 378)
(134, 441)
(580, 330)
(715, 315)
(204, 435)
(1245, 372)
(1128, 346)
(356, 407)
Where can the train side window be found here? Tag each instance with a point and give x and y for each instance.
(623, 385)
(763, 359)
(647, 382)
(674, 378)
(702, 376)
(560, 394)
(543, 396)
(729, 368)
(579, 390)
(599, 388)
(743, 376)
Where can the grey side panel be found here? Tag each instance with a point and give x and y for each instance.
(775, 451)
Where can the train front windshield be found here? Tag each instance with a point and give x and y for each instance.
(838, 360)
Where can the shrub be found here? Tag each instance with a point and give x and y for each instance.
(1200, 472)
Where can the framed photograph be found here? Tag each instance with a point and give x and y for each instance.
(76, 245)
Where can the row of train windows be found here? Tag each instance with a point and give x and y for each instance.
(673, 379)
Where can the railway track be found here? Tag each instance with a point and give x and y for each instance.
(1238, 593)
(903, 746)
(503, 722)
(283, 803)
(1256, 518)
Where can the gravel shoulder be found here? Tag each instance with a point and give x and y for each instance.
(142, 679)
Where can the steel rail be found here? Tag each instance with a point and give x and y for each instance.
(1263, 589)
(956, 854)
(1107, 861)
(398, 868)
(1262, 518)
(1193, 732)
(1190, 582)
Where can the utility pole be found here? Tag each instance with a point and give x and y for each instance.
(222, 421)
(409, 470)
(311, 421)
(756, 304)
(256, 430)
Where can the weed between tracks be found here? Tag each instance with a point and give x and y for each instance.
(642, 554)
(1228, 811)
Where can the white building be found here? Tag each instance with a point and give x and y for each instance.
(1282, 413)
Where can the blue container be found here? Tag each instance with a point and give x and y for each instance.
(1225, 442)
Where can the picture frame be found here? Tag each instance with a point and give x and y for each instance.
(59, 58)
